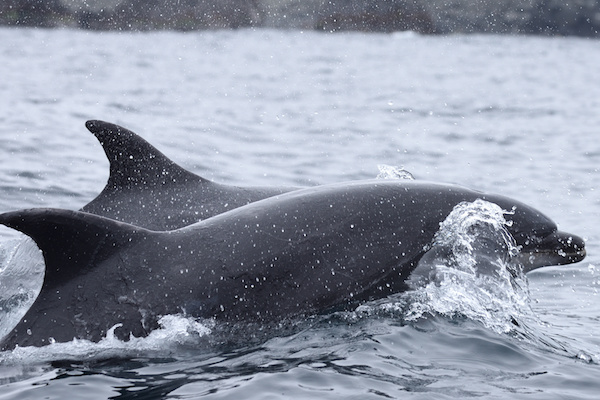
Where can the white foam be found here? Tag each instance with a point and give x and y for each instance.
(175, 332)
(393, 172)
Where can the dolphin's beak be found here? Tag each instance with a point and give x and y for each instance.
(558, 248)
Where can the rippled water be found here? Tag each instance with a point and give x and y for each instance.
(511, 115)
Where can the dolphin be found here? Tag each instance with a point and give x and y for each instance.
(145, 188)
(288, 256)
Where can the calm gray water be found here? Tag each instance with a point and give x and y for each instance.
(517, 116)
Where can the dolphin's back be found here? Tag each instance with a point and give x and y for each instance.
(145, 188)
(71, 241)
(73, 244)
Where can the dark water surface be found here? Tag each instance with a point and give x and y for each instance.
(511, 115)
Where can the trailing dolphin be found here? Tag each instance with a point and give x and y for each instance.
(147, 189)
(298, 253)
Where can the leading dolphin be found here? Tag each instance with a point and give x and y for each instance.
(147, 189)
(299, 253)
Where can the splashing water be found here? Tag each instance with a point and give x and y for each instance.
(471, 270)
(21, 277)
(176, 332)
(392, 172)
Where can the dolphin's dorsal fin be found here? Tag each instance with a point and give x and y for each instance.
(72, 242)
(133, 161)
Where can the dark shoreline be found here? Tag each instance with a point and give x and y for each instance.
(542, 17)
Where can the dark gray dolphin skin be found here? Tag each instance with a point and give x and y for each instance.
(147, 189)
(299, 253)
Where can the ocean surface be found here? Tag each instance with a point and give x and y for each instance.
(518, 116)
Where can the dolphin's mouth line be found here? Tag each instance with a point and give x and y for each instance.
(576, 254)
